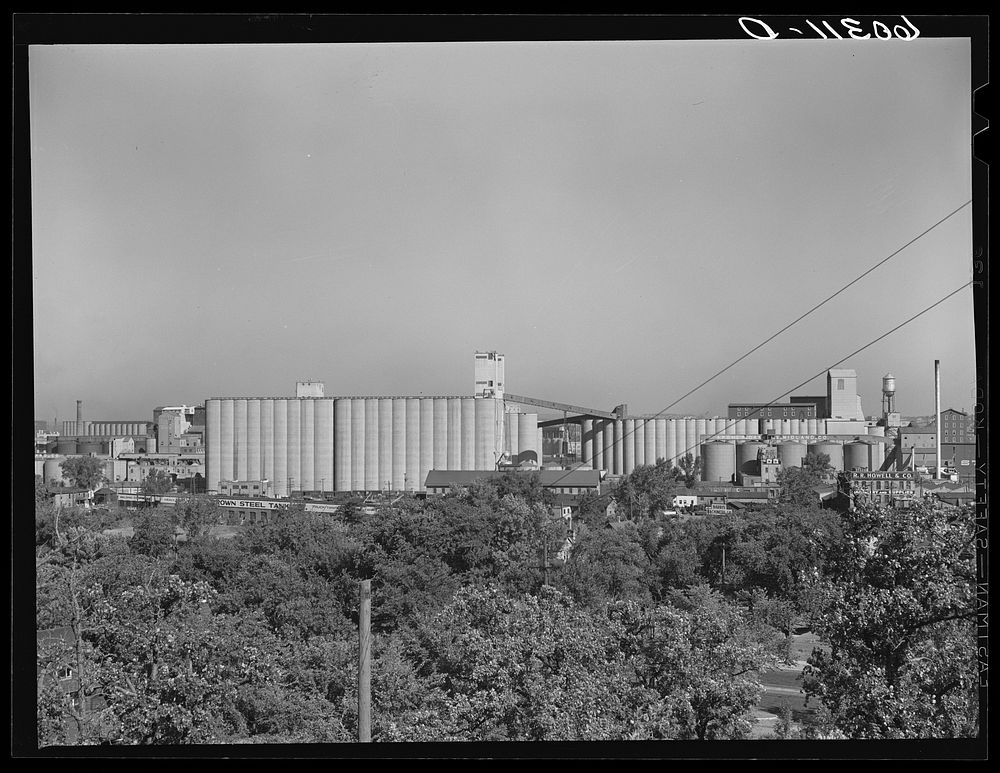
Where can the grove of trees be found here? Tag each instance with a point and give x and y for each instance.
(481, 634)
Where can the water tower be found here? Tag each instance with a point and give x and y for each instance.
(889, 414)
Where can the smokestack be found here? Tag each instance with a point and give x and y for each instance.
(937, 416)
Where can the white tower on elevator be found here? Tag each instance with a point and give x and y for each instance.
(490, 384)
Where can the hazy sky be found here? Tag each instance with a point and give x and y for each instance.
(621, 220)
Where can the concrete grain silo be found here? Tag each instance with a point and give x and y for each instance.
(426, 439)
(527, 438)
(638, 443)
(323, 474)
(267, 441)
(358, 443)
(791, 453)
(587, 441)
(253, 440)
(469, 433)
(413, 482)
(440, 434)
(598, 463)
(649, 457)
(718, 461)
(454, 461)
(833, 450)
(680, 440)
(373, 476)
(399, 444)
(280, 414)
(227, 441)
(307, 445)
(661, 439)
(670, 444)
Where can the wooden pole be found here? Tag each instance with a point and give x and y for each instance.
(364, 664)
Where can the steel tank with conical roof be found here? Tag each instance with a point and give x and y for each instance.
(746, 457)
(857, 456)
(835, 451)
(791, 453)
(718, 461)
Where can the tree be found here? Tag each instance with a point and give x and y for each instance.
(157, 482)
(897, 607)
(608, 564)
(83, 471)
(797, 485)
(647, 490)
(153, 534)
(690, 466)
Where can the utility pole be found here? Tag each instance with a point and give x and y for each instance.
(364, 664)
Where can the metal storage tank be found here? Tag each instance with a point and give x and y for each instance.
(834, 450)
(746, 457)
(638, 443)
(440, 434)
(399, 443)
(484, 434)
(587, 441)
(358, 441)
(91, 447)
(426, 438)
(791, 454)
(323, 475)
(342, 445)
(718, 461)
(373, 478)
(52, 471)
(527, 437)
(267, 440)
(280, 412)
(227, 441)
(454, 433)
(469, 433)
(650, 438)
(857, 456)
(253, 440)
(413, 481)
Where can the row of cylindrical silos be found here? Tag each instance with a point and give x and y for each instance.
(721, 460)
(106, 428)
(359, 443)
(621, 445)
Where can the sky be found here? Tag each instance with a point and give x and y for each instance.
(620, 219)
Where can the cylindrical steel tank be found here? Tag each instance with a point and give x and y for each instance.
(587, 441)
(791, 454)
(90, 447)
(227, 441)
(52, 470)
(857, 456)
(280, 412)
(454, 433)
(833, 450)
(413, 481)
(253, 440)
(527, 438)
(399, 444)
(426, 439)
(718, 461)
(440, 434)
(385, 418)
(469, 433)
(358, 440)
(372, 474)
(323, 475)
(746, 457)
